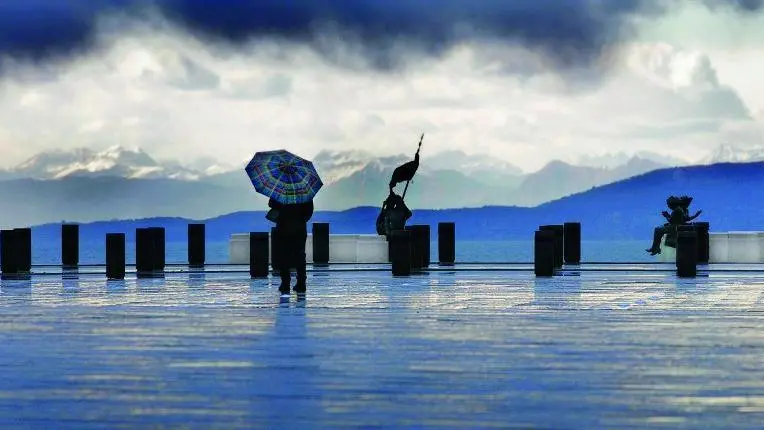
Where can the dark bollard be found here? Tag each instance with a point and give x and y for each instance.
(196, 245)
(446, 242)
(70, 245)
(23, 250)
(400, 252)
(559, 241)
(321, 243)
(7, 253)
(572, 242)
(701, 229)
(159, 256)
(415, 233)
(686, 252)
(258, 254)
(543, 253)
(115, 255)
(426, 241)
(144, 252)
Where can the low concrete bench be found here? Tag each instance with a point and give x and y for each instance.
(343, 248)
(726, 247)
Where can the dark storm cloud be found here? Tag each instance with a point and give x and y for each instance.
(740, 5)
(570, 32)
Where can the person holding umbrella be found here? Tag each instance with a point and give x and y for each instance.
(290, 182)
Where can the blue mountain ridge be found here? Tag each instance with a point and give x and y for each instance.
(730, 195)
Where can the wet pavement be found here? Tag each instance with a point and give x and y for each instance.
(452, 348)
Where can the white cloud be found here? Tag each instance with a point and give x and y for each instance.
(178, 98)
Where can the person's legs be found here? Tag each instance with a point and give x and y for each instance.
(657, 236)
(283, 262)
(299, 262)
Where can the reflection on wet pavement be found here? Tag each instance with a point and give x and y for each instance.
(445, 349)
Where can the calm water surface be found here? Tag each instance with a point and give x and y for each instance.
(49, 252)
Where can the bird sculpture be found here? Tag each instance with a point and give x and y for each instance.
(406, 171)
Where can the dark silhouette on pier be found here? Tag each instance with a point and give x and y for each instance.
(680, 215)
(291, 233)
(395, 213)
(393, 216)
(406, 171)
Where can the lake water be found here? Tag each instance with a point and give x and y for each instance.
(93, 252)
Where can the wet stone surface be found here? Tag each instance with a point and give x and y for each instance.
(455, 349)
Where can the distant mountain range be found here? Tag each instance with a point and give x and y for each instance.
(84, 185)
(731, 154)
(730, 196)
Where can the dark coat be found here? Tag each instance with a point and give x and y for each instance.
(292, 218)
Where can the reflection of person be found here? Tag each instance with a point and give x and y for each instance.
(396, 213)
(291, 233)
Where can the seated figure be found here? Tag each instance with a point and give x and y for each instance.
(679, 215)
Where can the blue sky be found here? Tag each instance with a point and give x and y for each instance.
(526, 81)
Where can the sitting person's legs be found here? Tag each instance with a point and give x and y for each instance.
(657, 236)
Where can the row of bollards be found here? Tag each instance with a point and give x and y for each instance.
(16, 251)
(408, 249)
(555, 245)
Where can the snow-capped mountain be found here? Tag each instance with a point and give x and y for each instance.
(114, 161)
(469, 164)
(336, 165)
(732, 154)
(617, 159)
(333, 166)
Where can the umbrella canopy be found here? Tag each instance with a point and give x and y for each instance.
(283, 176)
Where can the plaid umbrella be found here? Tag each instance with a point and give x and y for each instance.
(283, 176)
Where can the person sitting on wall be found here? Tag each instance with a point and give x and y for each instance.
(678, 216)
(684, 203)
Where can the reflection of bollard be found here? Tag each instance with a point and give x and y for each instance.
(115, 255)
(559, 232)
(8, 254)
(320, 243)
(701, 229)
(400, 255)
(258, 254)
(70, 245)
(572, 242)
(686, 252)
(446, 243)
(543, 253)
(196, 245)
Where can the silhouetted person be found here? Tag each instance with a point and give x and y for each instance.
(679, 216)
(396, 213)
(684, 203)
(291, 233)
